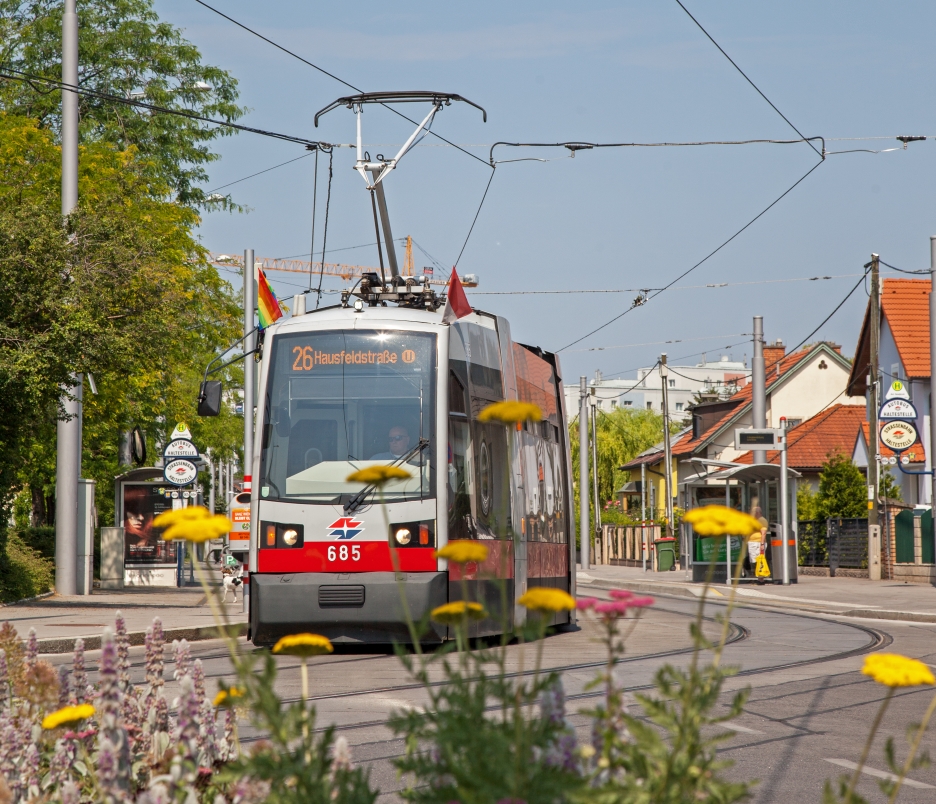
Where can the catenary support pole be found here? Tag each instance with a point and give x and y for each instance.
(874, 402)
(932, 336)
(584, 529)
(784, 510)
(250, 366)
(758, 387)
(643, 515)
(68, 432)
(595, 491)
(667, 448)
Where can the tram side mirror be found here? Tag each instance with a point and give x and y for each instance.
(209, 398)
(282, 421)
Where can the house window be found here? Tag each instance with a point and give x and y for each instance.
(791, 423)
(672, 383)
(627, 403)
(613, 404)
(679, 405)
(649, 406)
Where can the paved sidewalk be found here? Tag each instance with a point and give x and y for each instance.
(850, 597)
(59, 620)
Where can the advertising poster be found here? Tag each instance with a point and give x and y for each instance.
(144, 546)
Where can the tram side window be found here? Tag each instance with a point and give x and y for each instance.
(459, 468)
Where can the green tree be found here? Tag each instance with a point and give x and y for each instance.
(622, 435)
(121, 289)
(843, 491)
(807, 503)
(124, 50)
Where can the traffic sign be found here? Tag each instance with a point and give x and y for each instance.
(898, 435)
(180, 472)
(180, 448)
(181, 431)
(897, 408)
(897, 390)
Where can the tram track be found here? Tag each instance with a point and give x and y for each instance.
(876, 640)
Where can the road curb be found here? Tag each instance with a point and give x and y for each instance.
(54, 645)
(817, 608)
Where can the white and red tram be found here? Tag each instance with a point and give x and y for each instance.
(364, 383)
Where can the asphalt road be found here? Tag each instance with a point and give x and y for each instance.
(806, 720)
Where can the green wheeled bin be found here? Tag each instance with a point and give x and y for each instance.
(666, 553)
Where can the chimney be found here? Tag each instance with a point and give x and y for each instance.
(773, 353)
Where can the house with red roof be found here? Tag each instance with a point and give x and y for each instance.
(905, 356)
(799, 387)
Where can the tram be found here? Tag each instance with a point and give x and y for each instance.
(361, 384)
(382, 378)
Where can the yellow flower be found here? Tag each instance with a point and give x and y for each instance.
(457, 612)
(177, 515)
(198, 530)
(463, 551)
(717, 520)
(378, 475)
(303, 645)
(894, 670)
(67, 716)
(226, 697)
(510, 413)
(543, 598)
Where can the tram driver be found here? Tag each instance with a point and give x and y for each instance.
(399, 442)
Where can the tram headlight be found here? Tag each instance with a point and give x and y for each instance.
(403, 535)
(413, 534)
(277, 535)
(358, 306)
(290, 536)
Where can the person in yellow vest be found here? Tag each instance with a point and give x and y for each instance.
(757, 542)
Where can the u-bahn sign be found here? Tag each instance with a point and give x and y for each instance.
(898, 435)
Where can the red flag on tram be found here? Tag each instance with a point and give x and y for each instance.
(456, 302)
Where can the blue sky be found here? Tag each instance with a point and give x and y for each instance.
(621, 218)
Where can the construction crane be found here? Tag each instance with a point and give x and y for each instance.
(346, 272)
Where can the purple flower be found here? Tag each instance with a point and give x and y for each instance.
(32, 649)
(4, 679)
(188, 725)
(123, 651)
(109, 685)
(70, 793)
(64, 675)
(183, 659)
(79, 673)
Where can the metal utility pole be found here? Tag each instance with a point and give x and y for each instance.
(874, 319)
(667, 452)
(643, 515)
(785, 507)
(594, 452)
(932, 334)
(584, 530)
(250, 366)
(68, 433)
(758, 389)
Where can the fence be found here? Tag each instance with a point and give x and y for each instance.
(622, 545)
(838, 544)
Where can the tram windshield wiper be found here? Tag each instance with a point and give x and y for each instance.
(359, 499)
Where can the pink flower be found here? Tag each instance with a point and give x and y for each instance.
(621, 594)
(584, 603)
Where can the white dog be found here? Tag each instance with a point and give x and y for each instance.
(230, 580)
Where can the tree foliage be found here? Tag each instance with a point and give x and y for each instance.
(843, 491)
(120, 289)
(123, 50)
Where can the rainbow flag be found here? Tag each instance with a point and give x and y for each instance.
(268, 309)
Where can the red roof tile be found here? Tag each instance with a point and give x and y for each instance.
(905, 305)
(810, 443)
(743, 397)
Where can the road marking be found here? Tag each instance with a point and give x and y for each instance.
(745, 729)
(879, 774)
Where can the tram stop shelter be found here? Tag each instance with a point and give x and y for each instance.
(743, 487)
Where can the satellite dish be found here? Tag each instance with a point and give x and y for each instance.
(138, 446)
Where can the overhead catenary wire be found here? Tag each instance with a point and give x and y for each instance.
(745, 76)
(904, 270)
(658, 343)
(475, 220)
(644, 300)
(261, 172)
(326, 72)
(18, 75)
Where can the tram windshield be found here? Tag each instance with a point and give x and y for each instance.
(340, 401)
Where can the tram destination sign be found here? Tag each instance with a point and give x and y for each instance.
(759, 439)
(897, 408)
(898, 435)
